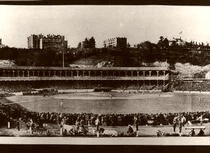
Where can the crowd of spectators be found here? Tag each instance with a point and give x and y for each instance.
(192, 86)
(116, 119)
(15, 87)
(29, 87)
(15, 114)
(14, 111)
(179, 85)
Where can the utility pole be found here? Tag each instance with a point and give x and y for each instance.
(63, 59)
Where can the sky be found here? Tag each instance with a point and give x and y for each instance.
(137, 23)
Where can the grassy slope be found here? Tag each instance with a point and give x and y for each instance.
(117, 58)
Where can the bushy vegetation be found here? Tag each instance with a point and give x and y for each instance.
(174, 51)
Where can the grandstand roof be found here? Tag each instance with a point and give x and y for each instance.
(89, 68)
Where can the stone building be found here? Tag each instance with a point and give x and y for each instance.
(49, 42)
(118, 42)
(34, 41)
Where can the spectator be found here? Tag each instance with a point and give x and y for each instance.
(77, 123)
(130, 131)
(97, 123)
(181, 122)
(201, 132)
(19, 124)
(200, 118)
(175, 122)
(192, 132)
(31, 123)
(136, 123)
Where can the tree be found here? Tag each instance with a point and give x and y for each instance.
(92, 42)
(79, 46)
(166, 43)
(161, 43)
(147, 45)
(161, 38)
(86, 43)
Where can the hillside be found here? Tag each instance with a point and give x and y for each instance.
(111, 58)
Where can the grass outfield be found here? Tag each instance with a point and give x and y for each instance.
(116, 103)
(125, 103)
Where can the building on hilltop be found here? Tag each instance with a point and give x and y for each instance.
(49, 42)
(118, 42)
(34, 41)
(54, 42)
(1, 45)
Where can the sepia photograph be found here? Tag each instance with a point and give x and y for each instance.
(76, 74)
